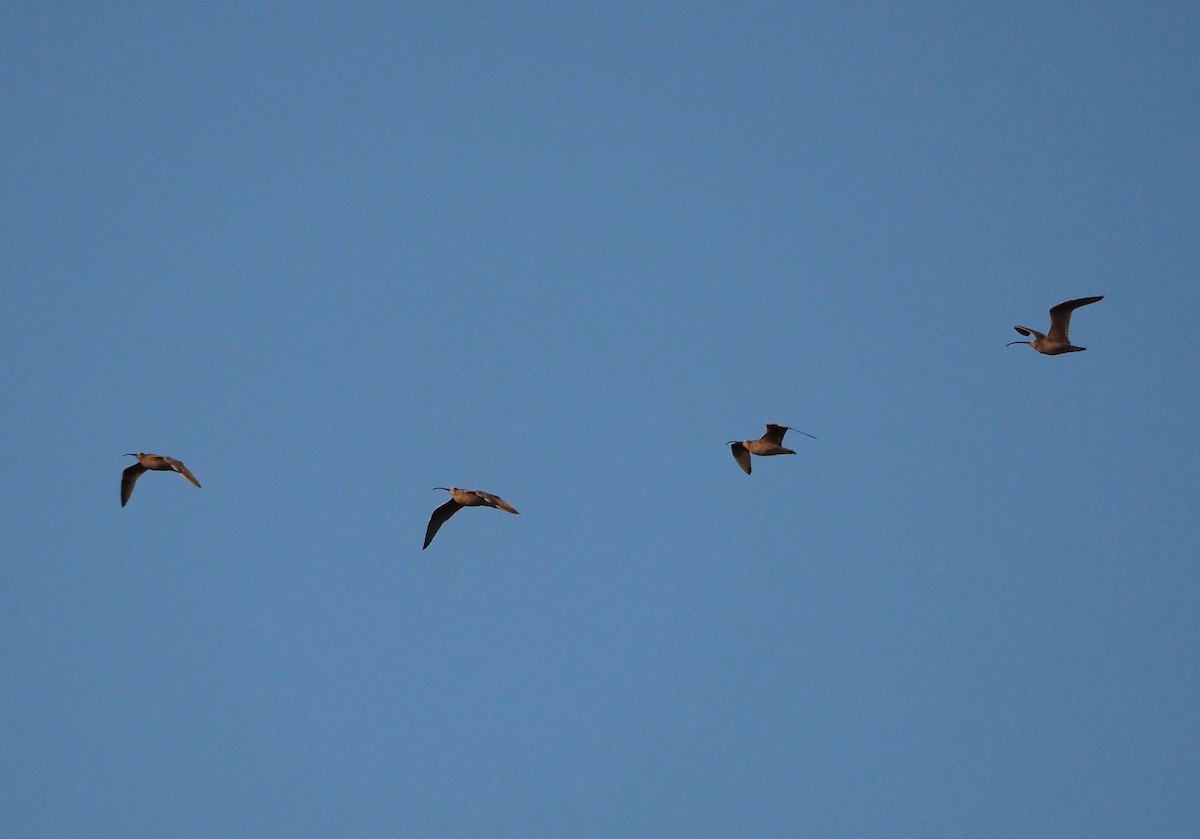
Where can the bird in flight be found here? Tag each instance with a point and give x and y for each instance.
(1056, 342)
(153, 463)
(460, 498)
(770, 443)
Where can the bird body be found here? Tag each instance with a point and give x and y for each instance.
(770, 443)
(1056, 342)
(460, 498)
(150, 463)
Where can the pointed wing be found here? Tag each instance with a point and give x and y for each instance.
(1026, 331)
(439, 518)
(741, 455)
(789, 428)
(774, 434)
(495, 501)
(181, 469)
(128, 479)
(1060, 317)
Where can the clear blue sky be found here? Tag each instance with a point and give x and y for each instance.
(332, 255)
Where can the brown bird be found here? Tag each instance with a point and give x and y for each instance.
(151, 462)
(1056, 342)
(768, 444)
(460, 498)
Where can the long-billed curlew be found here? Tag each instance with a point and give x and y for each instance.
(460, 498)
(153, 463)
(1056, 342)
(768, 444)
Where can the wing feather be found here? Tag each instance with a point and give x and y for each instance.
(438, 519)
(742, 455)
(181, 469)
(496, 501)
(128, 478)
(775, 434)
(1060, 317)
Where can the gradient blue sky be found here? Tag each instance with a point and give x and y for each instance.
(332, 255)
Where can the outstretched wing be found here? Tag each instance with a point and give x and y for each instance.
(1060, 316)
(741, 455)
(775, 434)
(1026, 331)
(181, 469)
(128, 478)
(495, 501)
(438, 519)
(789, 428)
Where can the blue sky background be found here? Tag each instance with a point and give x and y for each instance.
(332, 255)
